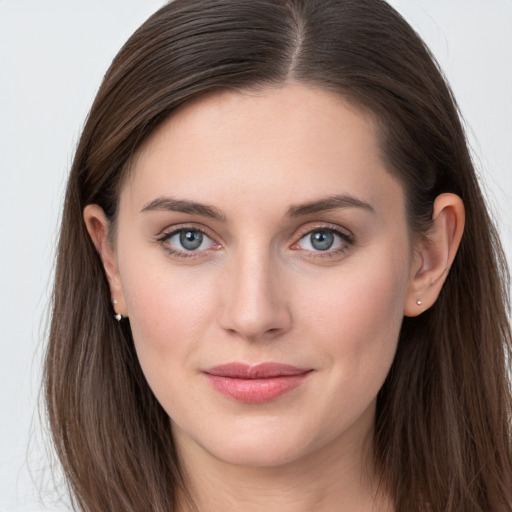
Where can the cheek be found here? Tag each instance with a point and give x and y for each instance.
(170, 312)
(363, 305)
(357, 319)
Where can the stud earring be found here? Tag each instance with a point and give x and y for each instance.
(419, 302)
(117, 315)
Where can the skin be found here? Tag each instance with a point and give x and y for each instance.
(257, 290)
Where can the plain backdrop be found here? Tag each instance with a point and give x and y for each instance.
(53, 54)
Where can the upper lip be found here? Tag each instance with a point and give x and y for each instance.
(255, 371)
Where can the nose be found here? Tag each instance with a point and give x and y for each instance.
(255, 306)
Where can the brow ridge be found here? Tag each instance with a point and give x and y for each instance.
(184, 206)
(328, 203)
(298, 210)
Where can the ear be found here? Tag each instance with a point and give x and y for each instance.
(434, 254)
(98, 227)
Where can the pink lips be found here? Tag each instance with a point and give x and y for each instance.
(255, 384)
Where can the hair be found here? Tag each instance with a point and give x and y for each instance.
(442, 439)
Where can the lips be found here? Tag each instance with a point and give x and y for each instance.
(255, 384)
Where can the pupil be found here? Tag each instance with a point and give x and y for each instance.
(191, 240)
(322, 240)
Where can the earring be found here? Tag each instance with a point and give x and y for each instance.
(117, 315)
(419, 302)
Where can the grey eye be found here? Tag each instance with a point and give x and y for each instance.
(191, 240)
(321, 240)
(324, 240)
(187, 241)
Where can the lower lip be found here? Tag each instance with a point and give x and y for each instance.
(256, 391)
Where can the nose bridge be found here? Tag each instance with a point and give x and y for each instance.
(254, 301)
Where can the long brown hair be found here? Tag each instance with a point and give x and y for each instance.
(442, 437)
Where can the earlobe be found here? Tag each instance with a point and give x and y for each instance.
(434, 254)
(98, 227)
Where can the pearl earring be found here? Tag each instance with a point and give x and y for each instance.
(117, 315)
(419, 302)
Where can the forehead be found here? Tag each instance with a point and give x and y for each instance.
(293, 140)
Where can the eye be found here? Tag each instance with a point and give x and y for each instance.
(327, 240)
(185, 241)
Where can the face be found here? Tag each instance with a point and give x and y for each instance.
(264, 260)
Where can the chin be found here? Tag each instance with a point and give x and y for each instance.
(250, 443)
(258, 455)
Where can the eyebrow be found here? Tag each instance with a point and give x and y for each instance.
(328, 203)
(191, 207)
(184, 206)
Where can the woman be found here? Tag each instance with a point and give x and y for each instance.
(278, 286)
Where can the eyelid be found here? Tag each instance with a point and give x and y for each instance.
(170, 231)
(346, 236)
(192, 226)
(195, 226)
(310, 228)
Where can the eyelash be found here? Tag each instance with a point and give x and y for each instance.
(182, 254)
(346, 238)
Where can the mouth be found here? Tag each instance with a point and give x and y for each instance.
(255, 384)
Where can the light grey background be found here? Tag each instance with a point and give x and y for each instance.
(53, 54)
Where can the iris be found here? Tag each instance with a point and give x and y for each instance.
(191, 240)
(322, 240)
